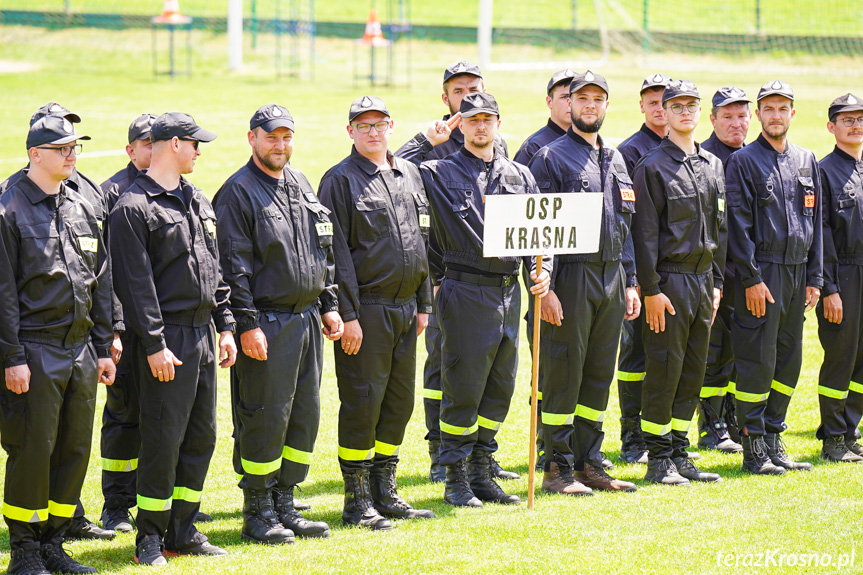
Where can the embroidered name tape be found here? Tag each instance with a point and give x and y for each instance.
(627, 194)
(721, 203)
(809, 201)
(324, 229)
(88, 244)
(425, 220)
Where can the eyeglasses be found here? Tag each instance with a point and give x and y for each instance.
(65, 151)
(194, 142)
(379, 127)
(849, 122)
(691, 107)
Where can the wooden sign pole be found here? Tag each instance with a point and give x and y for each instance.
(534, 392)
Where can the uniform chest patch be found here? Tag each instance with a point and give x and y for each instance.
(211, 226)
(720, 202)
(809, 201)
(425, 220)
(627, 194)
(324, 228)
(88, 244)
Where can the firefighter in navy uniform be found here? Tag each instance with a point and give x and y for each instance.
(775, 241)
(81, 528)
(275, 243)
(679, 232)
(717, 429)
(557, 100)
(631, 362)
(55, 340)
(168, 278)
(589, 297)
(379, 209)
(121, 439)
(442, 139)
(479, 302)
(840, 311)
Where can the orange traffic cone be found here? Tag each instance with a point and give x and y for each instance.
(171, 13)
(374, 35)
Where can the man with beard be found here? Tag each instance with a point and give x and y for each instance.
(479, 303)
(840, 313)
(730, 118)
(630, 367)
(589, 297)
(775, 243)
(442, 139)
(275, 244)
(381, 224)
(679, 233)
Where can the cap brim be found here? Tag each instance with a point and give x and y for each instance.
(271, 125)
(144, 136)
(649, 86)
(383, 111)
(835, 111)
(202, 135)
(463, 74)
(477, 111)
(681, 95)
(583, 84)
(68, 139)
(775, 93)
(560, 82)
(729, 101)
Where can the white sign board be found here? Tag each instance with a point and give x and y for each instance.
(542, 224)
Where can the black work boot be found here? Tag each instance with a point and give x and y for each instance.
(713, 431)
(290, 518)
(260, 522)
(854, 447)
(58, 561)
(729, 415)
(632, 447)
(150, 551)
(481, 477)
(382, 481)
(437, 474)
(835, 449)
(755, 458)
(779, 457)
(662, 470)
(501, 473)
(457, 490)
(116, 515)
(27, 560)
(359, 509)
(83, 528)
(687, 469)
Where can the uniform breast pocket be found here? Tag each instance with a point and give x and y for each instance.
(681, 204)
(807, 191)
(719, 188)
(372, 216)
(87, 243)
(322, 225)
(764, 193)
(40, 246)
(169, 233)
(625, 194)
(208, 222)
(423, 216)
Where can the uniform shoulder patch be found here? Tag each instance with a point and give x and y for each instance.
(804, 172)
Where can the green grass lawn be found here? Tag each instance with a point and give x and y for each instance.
(106, 78)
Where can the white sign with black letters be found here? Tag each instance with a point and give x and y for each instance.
(542, 224)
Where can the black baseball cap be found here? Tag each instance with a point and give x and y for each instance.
(776, 88)
(52, 130)
(579, 81)
(179, 125)
(54, 109)
(140, 128)
(459, 68)
(654, 81)
(367, 104)
(846, 103)
(270, 117)
(479, 103)
(558, 78)
(729, 95)
(678, 88)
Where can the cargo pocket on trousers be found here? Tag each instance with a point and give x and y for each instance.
(354, 395)
(152, 426)
(13, 427)
(748, 336)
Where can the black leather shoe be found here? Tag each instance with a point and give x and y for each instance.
(83, 528)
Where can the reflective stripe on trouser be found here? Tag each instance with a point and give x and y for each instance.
(121, 438)
(178, 436)
(719, 371)
(630, 368)
(675, 363)
(376, 386)
(840, 382)
(47, 433)
(431, 379)
(277, 402)
(769, 350)
(479, 361)
(577, 363)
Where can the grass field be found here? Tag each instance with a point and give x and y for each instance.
(106, 78)
(830, 17)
